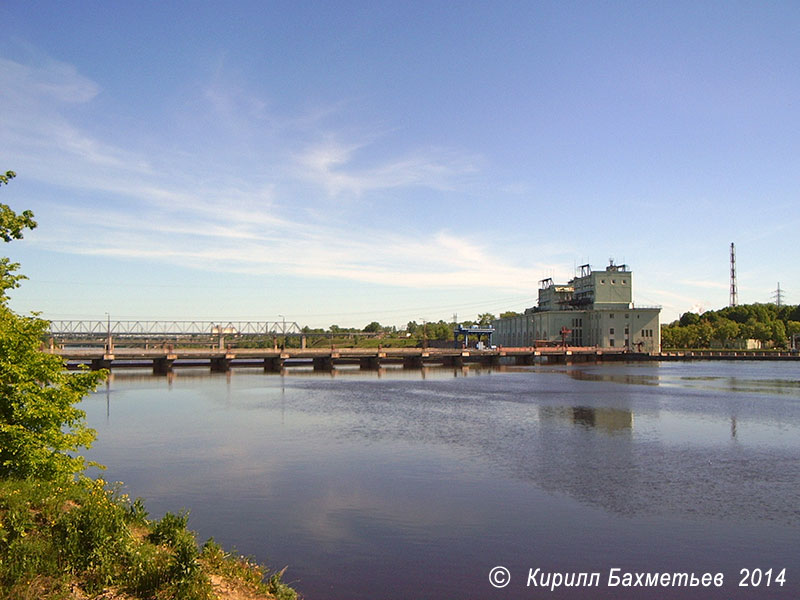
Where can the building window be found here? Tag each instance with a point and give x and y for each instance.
(611, 342)
(611, 331)
(627, 315)
(611, 316)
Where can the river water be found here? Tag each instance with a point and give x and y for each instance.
(410, 484)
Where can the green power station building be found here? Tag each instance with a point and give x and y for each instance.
(593, 309)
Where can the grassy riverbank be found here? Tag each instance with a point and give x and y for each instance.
(83, 539)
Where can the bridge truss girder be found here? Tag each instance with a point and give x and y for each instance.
(152, 329)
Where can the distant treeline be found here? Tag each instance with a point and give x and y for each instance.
(432, 330)
(374, 334)
(770, 324)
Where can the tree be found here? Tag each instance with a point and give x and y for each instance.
(689, 318)
(778, 331)
(760, 331)
(373, 327)
(485, 319)
(441, 330)
(726, 330)
(508, 314)
(40, 426)
(11, 223)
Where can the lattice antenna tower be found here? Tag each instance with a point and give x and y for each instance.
(734, 299)
(778, 295)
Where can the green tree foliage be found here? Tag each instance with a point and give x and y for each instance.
(689, 318)
(40, 426)
(768, 323)
(440, 330)
(11, 223)
(373, 327)
(509, 314)
(726, 330)
(485, 319)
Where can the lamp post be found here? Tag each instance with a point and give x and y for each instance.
(109, 345)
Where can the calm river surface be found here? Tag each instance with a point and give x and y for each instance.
(416, 484)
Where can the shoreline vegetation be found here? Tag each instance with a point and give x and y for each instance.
(768, 327)
(83, 539)
(63, 535)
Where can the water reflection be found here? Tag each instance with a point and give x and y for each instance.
(358, 476)
(629, 378)
(694, 376)
(609, 420)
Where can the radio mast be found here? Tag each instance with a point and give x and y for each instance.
(734, 299)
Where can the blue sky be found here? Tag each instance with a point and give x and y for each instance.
(339, 163)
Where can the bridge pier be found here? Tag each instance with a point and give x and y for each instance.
(453, 361)
(274, 364)
(162, 366)
(524, 360)
(370, 362)
(102, 363)
(220, 364)
(492, 361)
(412, 362)
(323, 363)
(562, 358)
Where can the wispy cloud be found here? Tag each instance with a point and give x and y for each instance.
(268, 222)
(292, 248)
(50, 81)
(332, 165)
(38, 132)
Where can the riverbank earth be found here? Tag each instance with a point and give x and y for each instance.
(83, 540)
